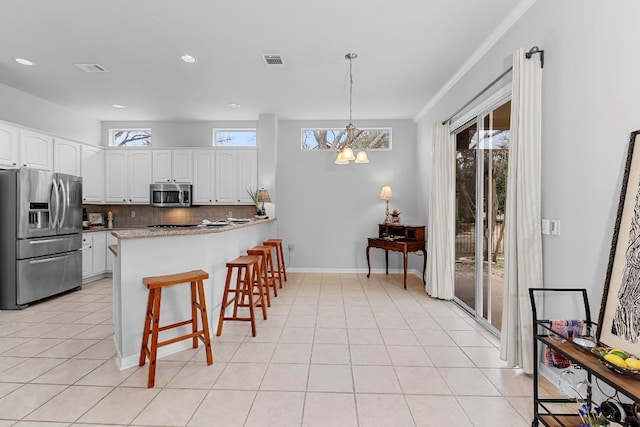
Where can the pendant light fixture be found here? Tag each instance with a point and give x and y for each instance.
(345, 151)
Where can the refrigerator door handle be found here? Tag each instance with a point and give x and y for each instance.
(54, 215)
(65, 203)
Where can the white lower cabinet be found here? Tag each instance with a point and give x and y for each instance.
(87, 255)
(94, 254)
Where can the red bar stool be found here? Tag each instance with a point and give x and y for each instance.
(244, 292)
(267, 270)
(152, 319)
(281, 269)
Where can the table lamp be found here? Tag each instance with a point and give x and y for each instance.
(263, 196)
(386, 194)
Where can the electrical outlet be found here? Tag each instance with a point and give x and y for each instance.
(133, 214)
(291, 247)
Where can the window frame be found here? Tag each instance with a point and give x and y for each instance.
(213, 137)
(389, 128)
(113, 131)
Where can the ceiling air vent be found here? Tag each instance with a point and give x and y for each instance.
(92, 68)
(272, 60)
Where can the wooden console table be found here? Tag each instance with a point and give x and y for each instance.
(399, 238)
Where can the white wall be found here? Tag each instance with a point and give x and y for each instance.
(590, 105)
(27, 110)
(327, 211)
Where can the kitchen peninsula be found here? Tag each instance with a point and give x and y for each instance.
(152, 252)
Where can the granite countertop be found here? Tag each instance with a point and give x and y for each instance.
(95, 228)
(140, 233)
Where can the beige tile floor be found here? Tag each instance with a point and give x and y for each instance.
(337, 350)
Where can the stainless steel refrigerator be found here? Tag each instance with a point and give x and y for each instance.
(40, 235)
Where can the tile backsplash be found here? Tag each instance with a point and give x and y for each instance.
(143, 215)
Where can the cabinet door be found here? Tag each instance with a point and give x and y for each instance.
(87, 255)
(226, 176)
(181, 163)
(93, 178)
(36, 150)
(116, 177)
(203, 177)
(9, 155)
(139, 176)
(99, 252)
(162, 166)
(66, 157)
(247, 174)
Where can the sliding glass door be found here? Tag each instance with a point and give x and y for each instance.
(482, 154)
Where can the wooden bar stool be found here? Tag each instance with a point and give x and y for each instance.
(281, 269)
(152, 319)
(266, 269)
(244, 294)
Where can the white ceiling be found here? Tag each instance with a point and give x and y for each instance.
(407, 50)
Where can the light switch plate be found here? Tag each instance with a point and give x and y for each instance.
(555, 227)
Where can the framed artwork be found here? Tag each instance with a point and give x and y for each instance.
(619, 320)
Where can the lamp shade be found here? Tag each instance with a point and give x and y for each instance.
(386, 193)
(347, 152)
(340, 160)
(263, 196)
(362, 157)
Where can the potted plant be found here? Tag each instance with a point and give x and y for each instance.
(256, 201)
(395, 217)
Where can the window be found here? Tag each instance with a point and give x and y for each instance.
(326, 139)
(130, 137)
(234, 137)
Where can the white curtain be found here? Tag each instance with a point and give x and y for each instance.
(523, 245)
(442, 213)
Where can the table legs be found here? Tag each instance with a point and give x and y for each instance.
(368, 263)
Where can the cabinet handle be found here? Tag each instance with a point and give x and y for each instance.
(24, 165)
(14, 163)
(124, 200)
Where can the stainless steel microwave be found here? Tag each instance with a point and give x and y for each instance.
(170, 195)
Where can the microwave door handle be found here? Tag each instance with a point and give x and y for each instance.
(65, 203)
(56, 195)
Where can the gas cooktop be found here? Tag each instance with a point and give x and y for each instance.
(171, 225)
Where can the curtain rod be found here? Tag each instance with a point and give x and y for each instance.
(527, 55)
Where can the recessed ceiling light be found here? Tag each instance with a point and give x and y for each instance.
(189, 59)
(118, 106)
(24, 62)
(233, 105)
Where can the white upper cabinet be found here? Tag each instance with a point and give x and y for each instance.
(93, 177)
(162, 166)
(66, 157)
(172, 166)
(236, 172)
(182, 166)
(226, 176)
(247, 174)
(116, 177)
(9, 155)
(139, 176)
(203, 177)
(36, 150)
(128, 175)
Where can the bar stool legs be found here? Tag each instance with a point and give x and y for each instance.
(152, 318)
(267, 269)
(244, 294)
(281, 269)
